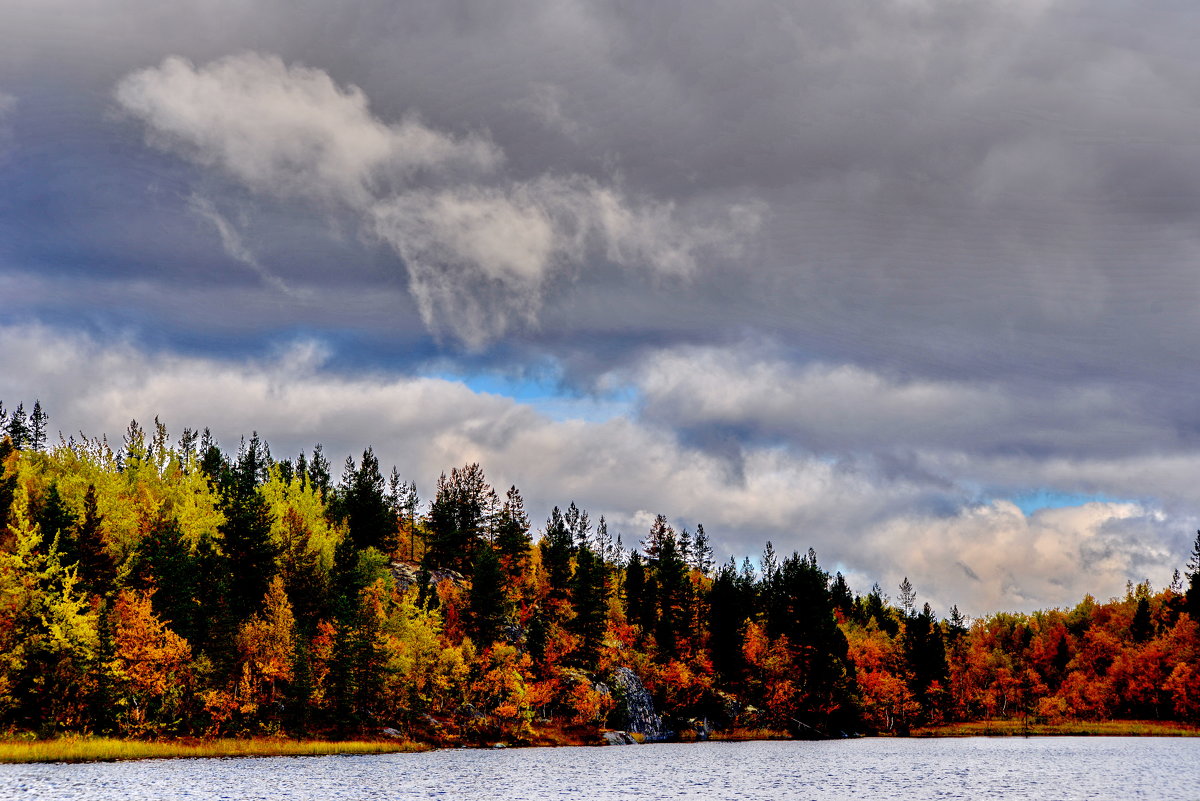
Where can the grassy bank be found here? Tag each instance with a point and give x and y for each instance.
(1073, 728)
(103, 749)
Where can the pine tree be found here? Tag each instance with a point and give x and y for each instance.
(489, 607)
(37, 427)
(590, 600)
(731, 603)
(639, 609)
(1192, 596)
(18, 428)
(246, 533)
(1141, 628)
(578, 525)
(557, 547)
(512, 536)
(365, 508)
(97, 568)
(908, 597)
(925, 652)
(674, 599)
(460, 518)
(660, 532)
(702, 559)
(318, 471)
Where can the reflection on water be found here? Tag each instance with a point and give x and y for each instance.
(912, 770)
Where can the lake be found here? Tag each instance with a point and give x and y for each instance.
(909, 769)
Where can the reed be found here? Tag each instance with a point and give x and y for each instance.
(743, 734)
(1066, 728)
(104, 749)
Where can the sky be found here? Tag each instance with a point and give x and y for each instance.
(910, 282)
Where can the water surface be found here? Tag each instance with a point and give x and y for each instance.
(912, 770)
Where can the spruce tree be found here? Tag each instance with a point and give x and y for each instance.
(1192, 596)
(488, 610)
(512, 536)
(590, 601)
(246, 533)
(18, 428)
(557, 547)
(365, 508)
(37, 427)
(97, 568)
(460, 518)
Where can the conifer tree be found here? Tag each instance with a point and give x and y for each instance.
(97, 568)
(246, 533)
(731, 604)
(702, 558)
(18, 428)
(590, 601)
(512, 536)
(459, 518)
(37, 427)
(1192, 596)
(364, 506)
(489, 605)
(557, 547)
(319, 476)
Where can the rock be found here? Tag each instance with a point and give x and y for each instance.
(640, 717)
(408, 574)
(395, 734)
(618, 738)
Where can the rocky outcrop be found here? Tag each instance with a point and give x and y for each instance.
(637, 706)
(408, 574)
(618, 738)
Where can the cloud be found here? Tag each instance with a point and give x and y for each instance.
(479, 255)
(8, 103)
(480, 249)
(288, 130)
(873, 525)
(846, 408)
(1009, 561)
(545, 102)
(232, 241)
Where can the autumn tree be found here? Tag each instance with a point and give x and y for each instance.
(151, 667)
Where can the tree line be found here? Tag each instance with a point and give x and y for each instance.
(167, 587)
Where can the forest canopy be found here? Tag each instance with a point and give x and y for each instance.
(168, 587)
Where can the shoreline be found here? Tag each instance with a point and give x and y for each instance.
(75, 748)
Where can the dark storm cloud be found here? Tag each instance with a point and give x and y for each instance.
(1018, 173)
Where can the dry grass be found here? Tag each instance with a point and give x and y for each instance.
(103, 749)
(1073, 728)
(741, 735)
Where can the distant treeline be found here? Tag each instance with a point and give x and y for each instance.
(168, 588)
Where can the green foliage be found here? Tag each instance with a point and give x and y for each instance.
(459, 518)
(489, 607)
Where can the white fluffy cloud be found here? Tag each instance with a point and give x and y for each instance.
(288, 130)
(874, 525)
(480, 248)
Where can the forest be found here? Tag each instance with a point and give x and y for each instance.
(163, 588)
